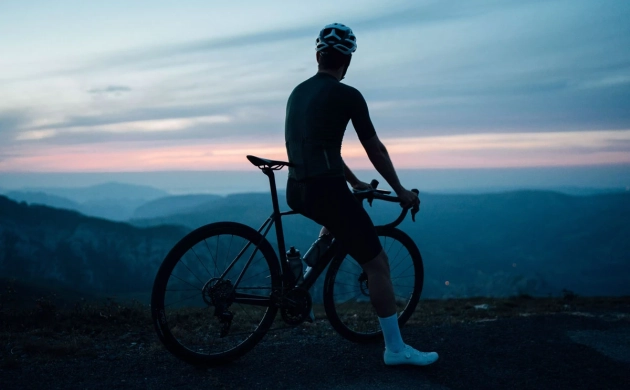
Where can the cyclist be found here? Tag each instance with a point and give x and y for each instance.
(318, 111)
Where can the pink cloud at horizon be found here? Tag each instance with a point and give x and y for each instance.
(456, 151)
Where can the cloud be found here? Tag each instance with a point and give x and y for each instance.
(114, 89)
(392, 18)
(146, 126)
(427, 69)
(10, 121)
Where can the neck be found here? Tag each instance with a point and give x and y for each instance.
(335, 73)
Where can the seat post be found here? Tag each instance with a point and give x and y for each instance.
(276, 213)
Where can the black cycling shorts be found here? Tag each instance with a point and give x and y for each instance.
(329, 202)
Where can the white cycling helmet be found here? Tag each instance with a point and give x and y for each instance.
(337, 36)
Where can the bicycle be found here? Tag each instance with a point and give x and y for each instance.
(237, 299)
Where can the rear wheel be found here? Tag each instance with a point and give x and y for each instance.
(211, 299)
(346, 289)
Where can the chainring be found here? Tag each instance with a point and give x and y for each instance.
(296, 306)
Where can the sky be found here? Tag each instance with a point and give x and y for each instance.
(138, 86)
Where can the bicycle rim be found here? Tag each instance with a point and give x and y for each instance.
(193, 294)
(346, 292)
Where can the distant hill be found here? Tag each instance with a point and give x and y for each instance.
(43, 198)
(114, 201)
(90, 254)
(523, 242)
(106, 191)
(171, 205)
(503, 244)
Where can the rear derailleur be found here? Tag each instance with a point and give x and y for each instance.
(220, 294)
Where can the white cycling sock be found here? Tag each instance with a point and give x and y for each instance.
(391, 333)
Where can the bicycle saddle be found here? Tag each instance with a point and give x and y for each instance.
(263, 162)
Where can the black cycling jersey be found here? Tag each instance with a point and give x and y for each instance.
(318, 112)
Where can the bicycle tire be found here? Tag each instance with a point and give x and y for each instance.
(357, 321)
(166, 321)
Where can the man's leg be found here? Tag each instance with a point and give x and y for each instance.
(384, 302)
(380, 283)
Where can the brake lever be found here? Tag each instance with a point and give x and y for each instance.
(374, 185)
(416, 207)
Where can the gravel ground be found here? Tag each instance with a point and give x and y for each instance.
(578, 350)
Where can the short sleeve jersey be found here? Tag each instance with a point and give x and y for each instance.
(318, 112)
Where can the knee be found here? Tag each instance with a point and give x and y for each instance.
(378, 265)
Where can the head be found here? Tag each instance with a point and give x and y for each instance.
(335, 45)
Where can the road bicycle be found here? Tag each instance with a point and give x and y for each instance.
(219, 289)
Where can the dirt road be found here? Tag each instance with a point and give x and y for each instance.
(578, 350)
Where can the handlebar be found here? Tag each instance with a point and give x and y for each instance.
(376, 193)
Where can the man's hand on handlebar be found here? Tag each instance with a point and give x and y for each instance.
(408, 198)
(361, 186)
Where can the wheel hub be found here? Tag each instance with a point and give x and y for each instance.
(218, 293)
(363, 284)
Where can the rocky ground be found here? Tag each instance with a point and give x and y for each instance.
(560, 343)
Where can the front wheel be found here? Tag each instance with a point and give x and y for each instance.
(212, 296)
(346, 289)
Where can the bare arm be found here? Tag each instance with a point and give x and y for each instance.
(377, 153)
(353, 180)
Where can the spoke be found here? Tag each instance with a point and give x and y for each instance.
(351, 261)
(214, 261)
(230, 245)
(253, 276)
(397, 253)
(192, 248)
(216, 252)
(349, 272)
(246, 312)
(391, 245)
(346, 284)
(401, 261)
(406, 269)
(182, 261)
(177, 277)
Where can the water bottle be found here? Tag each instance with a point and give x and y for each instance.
(317, 249)
(295, 263)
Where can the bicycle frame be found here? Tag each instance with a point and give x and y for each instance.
(288, 279)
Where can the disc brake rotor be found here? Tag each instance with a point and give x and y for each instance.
(363, 284)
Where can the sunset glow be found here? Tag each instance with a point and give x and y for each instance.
(458, 151)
